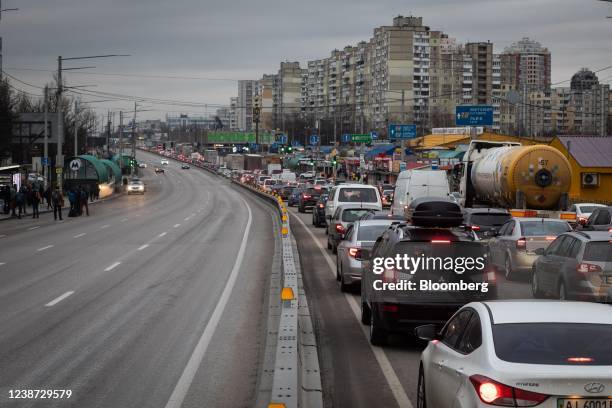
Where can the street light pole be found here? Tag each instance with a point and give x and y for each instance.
(59, 161)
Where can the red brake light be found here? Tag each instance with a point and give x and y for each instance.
(355, 253)
(306, 196)
(475, 228)
(521, 243)
(587, 267)
(580, 360)
(609, 229)
(339, 229)
(321, 206)
(390, 308)
(494, 393)
(440, 241)
(550, 238)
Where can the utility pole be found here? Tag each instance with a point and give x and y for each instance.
(134, 137)
(76, 128)
(121, 135)
(46, 146)
(108, 133)
(59, 162)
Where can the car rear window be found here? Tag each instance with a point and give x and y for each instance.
(357, 195)
(598, 251)
(353, 215)
(488, 219)
(371, 232)
(539, 228)
(588, 208)
(547, 343)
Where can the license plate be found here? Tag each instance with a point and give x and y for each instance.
(585, 403)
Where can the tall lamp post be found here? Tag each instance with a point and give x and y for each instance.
(59, 162)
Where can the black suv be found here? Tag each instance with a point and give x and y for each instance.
(434, 234)
(318, 211)
(308, 197)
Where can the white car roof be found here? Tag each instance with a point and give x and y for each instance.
(355, 185)
(543, 311)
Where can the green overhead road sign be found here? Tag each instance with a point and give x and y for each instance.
(361, 138)
(238, 137)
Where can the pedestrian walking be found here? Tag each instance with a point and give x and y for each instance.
(78, 202)
(97, 191)
(58, 202)
(72, 201)
(36, 198)
(20, 201)
(13, 195)
(84, 199)
(48, 194)
(6, 198)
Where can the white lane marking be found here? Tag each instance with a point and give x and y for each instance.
(104, 226)
(124, 219)
(184, 382)
(43, 248)
(193, 214)
(2, 263)
(59, 299)
(162, 234)
(80, 235)
(385, 365)
(3, 235)
(187, 219)
(111, 267)
(33, 228)
(143, 247)
(177, 225)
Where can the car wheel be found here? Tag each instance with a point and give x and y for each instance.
(421, 398)
(338, 270)
(378, 335)
(329, 245)
(344, 287)
(313, 220)
(334, 248)
(536, 290)
(326, 230)
(563, 291)
(365, 313)
(508, 272)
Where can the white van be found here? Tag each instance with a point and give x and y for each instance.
(352, 194)
(418, 183)
(287, 177)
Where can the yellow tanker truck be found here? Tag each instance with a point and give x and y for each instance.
(512, 176)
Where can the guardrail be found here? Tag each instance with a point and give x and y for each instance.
(296, 378)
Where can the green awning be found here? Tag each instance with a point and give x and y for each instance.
(114, 168)
(95, 170)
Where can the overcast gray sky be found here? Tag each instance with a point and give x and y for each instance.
(242, 39)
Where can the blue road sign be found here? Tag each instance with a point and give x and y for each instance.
(402, 132)
(295, 143)
(346, 138)
(44, 161)
(474, 115)
(374, 135)
(282, 139)
(314, 139)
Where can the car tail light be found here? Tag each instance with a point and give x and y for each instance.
(475, 228)
(550, 238)
(440, 241)
(389, 276)
(355, 253)
(306, 196)
(494, 393)
(340, 229)
(390, 308)
(587, 268)
(609, 229)
(321, 206)
(579, 360)
(521, 243)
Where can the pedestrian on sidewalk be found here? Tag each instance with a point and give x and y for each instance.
(72, 200)
(20, 198)
(48, 194)
(36, 198)
(78, 203)
(97, 192)
(84, 198)
(58, 202)
(6, 198)
(13, 199)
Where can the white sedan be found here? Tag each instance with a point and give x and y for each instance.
(519, 354)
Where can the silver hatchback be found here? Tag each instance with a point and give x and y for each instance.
(356, 245)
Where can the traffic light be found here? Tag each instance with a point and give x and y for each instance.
(289, 149)
(311, 162)
(282, 150)
(335, 160)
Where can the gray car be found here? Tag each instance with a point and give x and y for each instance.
(577, 266)
(356, 245)
(513, 248)
(343, 217)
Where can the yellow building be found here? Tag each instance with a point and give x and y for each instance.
(591, 160)
(449, 141)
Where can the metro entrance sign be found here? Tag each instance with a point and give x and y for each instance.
(474, 115)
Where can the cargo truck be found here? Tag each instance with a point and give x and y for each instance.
(235, 161)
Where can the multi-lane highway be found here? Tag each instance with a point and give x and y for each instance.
(152, 301)
(354, 373)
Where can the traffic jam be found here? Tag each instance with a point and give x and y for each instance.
(504, 281)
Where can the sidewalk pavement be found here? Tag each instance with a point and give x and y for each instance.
(43, 208)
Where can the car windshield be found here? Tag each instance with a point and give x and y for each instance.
(543, 228)
(370, 232)
(137, 182)
(547, 343)
(353, 215)
(357, 195)
(488, 219)
(598, 251)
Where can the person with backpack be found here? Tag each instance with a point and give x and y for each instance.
(36, 198)
(58, 202)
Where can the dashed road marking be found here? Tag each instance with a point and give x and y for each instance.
(186, 218)
(162, 234)
(177, 225)
(104, 226)
(124, 219)
(113, 266)
(80, 235)
(45, 247)
(143, 247)
(33, 228)
(3, 235)
(2, 263)
(59, 299)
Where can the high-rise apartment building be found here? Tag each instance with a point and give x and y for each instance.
(233, 113)
(245, 105)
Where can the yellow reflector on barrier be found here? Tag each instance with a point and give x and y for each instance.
(287, 294)
(276, 405)
(284, 230)
(284, 218)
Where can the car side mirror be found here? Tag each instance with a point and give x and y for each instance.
(540, 251)
(427, 332)
(491, 233)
